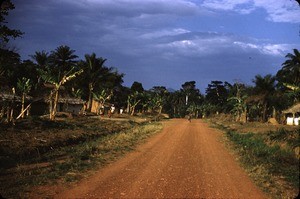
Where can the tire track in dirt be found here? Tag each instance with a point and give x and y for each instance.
(185, 160)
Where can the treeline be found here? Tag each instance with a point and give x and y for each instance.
(50, 74)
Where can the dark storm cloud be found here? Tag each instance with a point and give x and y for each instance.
(145, 40)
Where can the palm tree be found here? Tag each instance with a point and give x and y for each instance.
(178, 101)
(62, 59)
(93, 67)
(41, 58)
(289, 74)
(264, 88)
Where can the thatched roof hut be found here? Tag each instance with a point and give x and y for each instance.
(294, 109)
(8, 97)
(67, 100)
(296, 118)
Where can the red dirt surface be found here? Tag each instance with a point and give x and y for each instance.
(185, 160)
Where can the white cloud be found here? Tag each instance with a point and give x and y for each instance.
(161, 33)
(198, 45)
(268, 49)
(278, 11)
(207, 43)
(276, 49)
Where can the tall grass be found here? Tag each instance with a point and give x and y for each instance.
(255, 152)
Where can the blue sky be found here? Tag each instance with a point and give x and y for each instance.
(165, 42)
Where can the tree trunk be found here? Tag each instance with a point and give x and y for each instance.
(2, 111)
(11, 116)
(8, 113)
(89, 105)
(264, 116)
(274, 112)
(55, 102)
(128, 106)
(50, 103)
(23, 105)
(160, 109)
(132, 110)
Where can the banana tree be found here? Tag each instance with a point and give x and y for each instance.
(102, 97)
(24, 86)
(239, 106)
(237, 101)
(133, 100)
(294, 91)
(57, 84)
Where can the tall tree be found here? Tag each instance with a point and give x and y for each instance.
(5, 32)
(290, 71)
(137, 86)
(187, 89)
(9, 63)
(9, 59)
(216, 94)
(41, 58)
(61, 69)
(289, 75)
(62, 59)
(264, 88)
(93, 71)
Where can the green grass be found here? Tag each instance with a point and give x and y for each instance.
(268, 159)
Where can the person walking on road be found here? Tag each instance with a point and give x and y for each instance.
(189, 118)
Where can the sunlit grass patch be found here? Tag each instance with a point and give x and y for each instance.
(274, 168)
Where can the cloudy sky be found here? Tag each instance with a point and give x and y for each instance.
(165, 42)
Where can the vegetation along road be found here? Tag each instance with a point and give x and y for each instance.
(185, 160)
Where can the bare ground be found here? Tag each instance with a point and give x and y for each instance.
(185, 160)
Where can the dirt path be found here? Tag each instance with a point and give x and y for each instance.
(186, 160)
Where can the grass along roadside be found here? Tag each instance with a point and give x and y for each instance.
(70, 163)
(275, 168)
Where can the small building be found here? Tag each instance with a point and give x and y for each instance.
(7, 102)
(70, 105)
(99, 108)
(40, 106)
(293, 115)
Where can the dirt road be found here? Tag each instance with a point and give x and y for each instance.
(185, 160)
